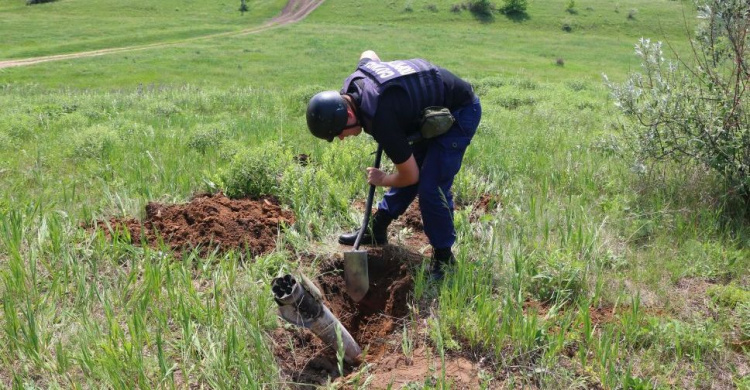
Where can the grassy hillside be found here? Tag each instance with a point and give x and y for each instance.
(601, 40)
(71, 26)
(577, 268)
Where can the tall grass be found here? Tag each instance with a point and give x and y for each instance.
(576, 230)
(566, 219)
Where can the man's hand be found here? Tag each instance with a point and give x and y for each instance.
(407, 173)
(375, 176)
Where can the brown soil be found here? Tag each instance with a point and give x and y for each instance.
(217, 223)
(690, 297)
(369, 321)
(376, 323)
(208, 223)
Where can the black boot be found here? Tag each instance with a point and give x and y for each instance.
(376, 235)
(442, 260)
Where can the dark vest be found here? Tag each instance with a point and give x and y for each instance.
(420, 79)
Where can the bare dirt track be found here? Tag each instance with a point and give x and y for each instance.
(294, 11)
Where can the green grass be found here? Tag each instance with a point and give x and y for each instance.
(72, 26)
(605, 251)
(324, 47)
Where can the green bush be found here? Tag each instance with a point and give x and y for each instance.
(312, 193)
(695, 113)
(6, 142)
(207, 137)
(481, 7)
(74, 120)
(570, 7)
(296, 100)
(511, 7)
(131, 131)
(94, 142)
(254, 172)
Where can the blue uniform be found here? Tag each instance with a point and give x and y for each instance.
(391, 97)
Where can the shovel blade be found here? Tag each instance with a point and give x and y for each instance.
(356, 275)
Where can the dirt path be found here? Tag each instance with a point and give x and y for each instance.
(294, 11)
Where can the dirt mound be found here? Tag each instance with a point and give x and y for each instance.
(210, 222)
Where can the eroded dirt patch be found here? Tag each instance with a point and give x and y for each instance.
(209, 222)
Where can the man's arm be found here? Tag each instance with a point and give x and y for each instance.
(407, 173)
(369, 54)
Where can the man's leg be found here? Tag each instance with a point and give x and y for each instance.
(441, 164)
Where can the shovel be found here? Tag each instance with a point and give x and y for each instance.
(356, 275)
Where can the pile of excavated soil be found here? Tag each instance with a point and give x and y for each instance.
(210, 222)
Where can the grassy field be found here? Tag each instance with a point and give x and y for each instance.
(584, 272)
(601, 39)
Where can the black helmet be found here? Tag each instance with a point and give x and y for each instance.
(327, 115)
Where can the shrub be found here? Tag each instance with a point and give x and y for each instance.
(165, 109)
(571, 7)
(33, 2)
(481, 87)
(695, 113)
(94, 142)
(577, 85)
(207, 137)
(253, 173)
(75, 120)
(481, 7)
(511, 7)
(312, 193)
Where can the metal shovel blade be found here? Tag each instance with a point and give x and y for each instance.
(356, 275)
